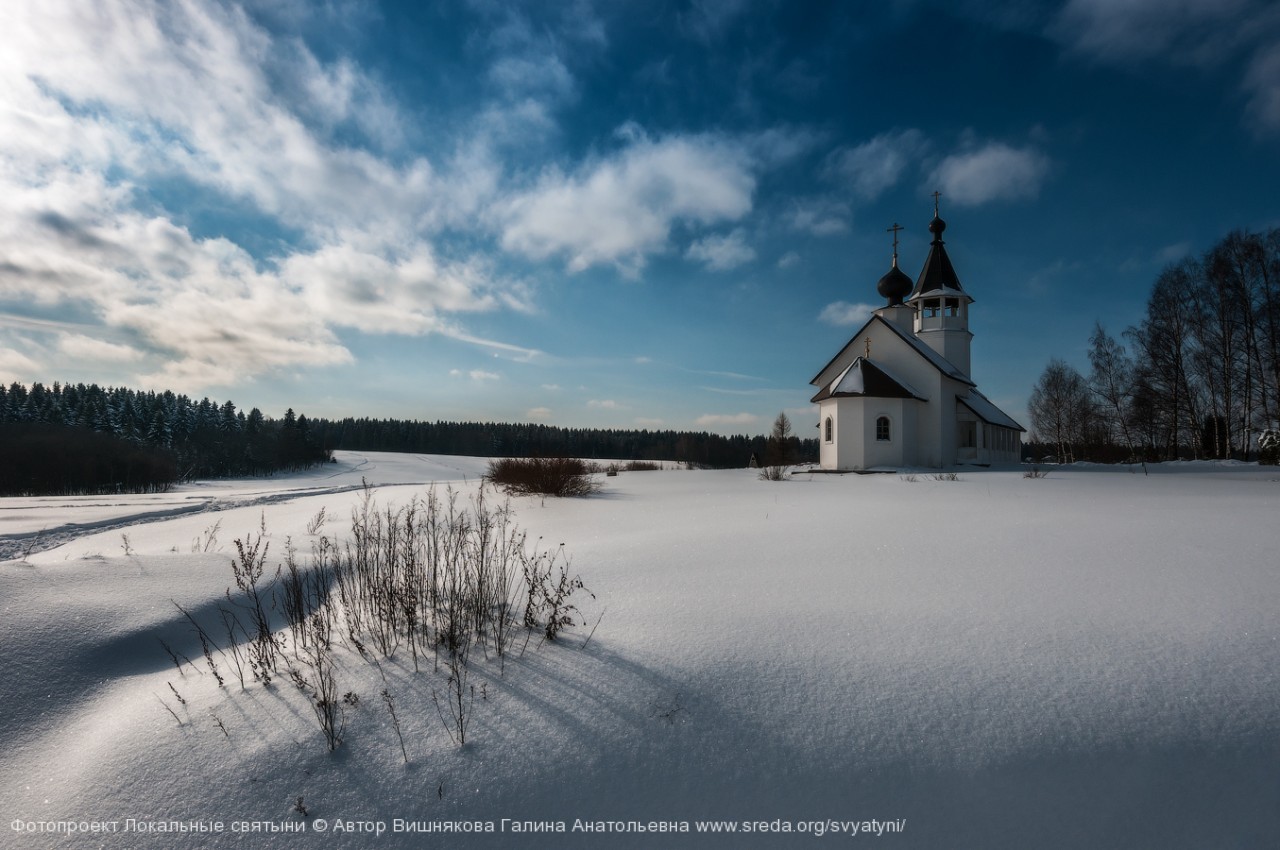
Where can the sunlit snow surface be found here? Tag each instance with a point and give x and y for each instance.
(1090, 659)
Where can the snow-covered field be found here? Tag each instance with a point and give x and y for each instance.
(1090, 659)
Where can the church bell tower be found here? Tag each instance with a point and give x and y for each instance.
(940, 305)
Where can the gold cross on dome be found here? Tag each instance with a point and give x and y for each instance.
(936, 195)
(894, 230)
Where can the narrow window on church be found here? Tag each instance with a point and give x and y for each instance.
(931, 308)
(883, 433)
(953, 307)
(826, 430)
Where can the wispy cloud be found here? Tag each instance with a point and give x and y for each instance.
(621, 208)
(843, 313)
(605, 404)
(1208, 34)
(991, 172)
(1198, 31)
(127, 96)
(89, 348)
(874, 166)
(14, 365)
(539, 413)
(723, 420)
(707, 20)
(479, 376)
(722, 253)
(821, 216)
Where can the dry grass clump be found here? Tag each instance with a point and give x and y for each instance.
(436, 578)
(549, 476)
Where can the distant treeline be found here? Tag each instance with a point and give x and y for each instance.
(493, 439)
(77, 438)
(88, 439)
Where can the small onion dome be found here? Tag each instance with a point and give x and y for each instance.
(936, 227)
(894, 285)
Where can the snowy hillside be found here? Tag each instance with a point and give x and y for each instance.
(1091, 659)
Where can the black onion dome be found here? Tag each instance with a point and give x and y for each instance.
(936, 227)
(894, 285)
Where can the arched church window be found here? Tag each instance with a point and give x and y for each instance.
(826, 430)
(883, 429)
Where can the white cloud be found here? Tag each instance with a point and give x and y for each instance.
(477, 375)
(539, 413)
(721, 253)
(605, 404)
(876, 165)
(102, 102)
(707, 20)
(619, 209)
(1262, 83)
(993, 172)
(841, 313)
(819, 216)
(14, 365)
(712, 420)
(365, 289)
(1208, 34)
(551, 387)
(1198, 31)
(89, 348)
(789, 259)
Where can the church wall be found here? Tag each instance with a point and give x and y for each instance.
(931, 428)
(952, 344)
(849, 434)
(893, 452)
(827, 449)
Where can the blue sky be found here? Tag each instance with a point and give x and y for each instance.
(600, 214)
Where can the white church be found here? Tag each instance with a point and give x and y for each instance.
(900, 393)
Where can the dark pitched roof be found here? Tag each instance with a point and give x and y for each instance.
(988, 412)
(938, 273)
(866, 379)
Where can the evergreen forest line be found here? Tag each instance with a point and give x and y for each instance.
(77, 438)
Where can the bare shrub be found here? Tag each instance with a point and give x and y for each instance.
(208, 540)
(1034, 472)
(444, 578)
(550, 476)
(945, 476)
(317, 522)
(772, 473)
(548, 588)
(458, 699)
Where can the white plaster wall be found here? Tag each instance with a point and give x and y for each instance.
(827, 451)
(849, 434)
(882, 453)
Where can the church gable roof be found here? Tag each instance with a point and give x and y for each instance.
(868, 380)
(987, 411)
(935, 359)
